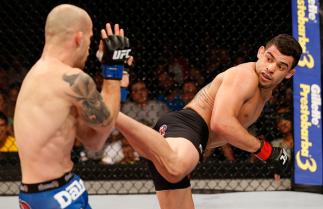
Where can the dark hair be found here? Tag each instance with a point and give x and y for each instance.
(4, 117)
(135, 81)
(287, 45)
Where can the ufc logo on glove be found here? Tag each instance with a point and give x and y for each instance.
(120, 54)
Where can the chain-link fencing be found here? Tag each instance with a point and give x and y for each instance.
(174, 43)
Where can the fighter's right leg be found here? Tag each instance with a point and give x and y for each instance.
(171, 195)
(173, 158)
(174, 199)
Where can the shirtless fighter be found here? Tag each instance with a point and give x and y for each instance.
(58, 102)
(220, 113)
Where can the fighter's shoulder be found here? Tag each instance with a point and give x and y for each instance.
(73, 70)
(76, 73)
(243, 78)
(78, 84)
(243, 72)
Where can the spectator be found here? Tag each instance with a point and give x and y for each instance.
(180, 68)
(7, 141)
(284, 125)
(141, 108)
(168, 91)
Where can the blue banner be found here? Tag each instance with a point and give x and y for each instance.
(307, 95)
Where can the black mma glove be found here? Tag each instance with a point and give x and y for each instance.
(275, 156)
(116, 51)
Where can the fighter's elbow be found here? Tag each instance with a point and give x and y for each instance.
(217, 127)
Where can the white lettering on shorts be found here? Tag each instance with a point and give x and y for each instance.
(71, 193)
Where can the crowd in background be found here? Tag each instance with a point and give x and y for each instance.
(167, 86)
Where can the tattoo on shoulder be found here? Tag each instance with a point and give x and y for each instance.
(94, 110)
(201, 96)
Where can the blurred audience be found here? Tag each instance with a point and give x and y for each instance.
(13, 92)
(179, 67)
(189, 91)
(218, 60)
(140, 107)
(168, 91)
(7, 141)
(174, 86)
(197, 76)
(4, 102)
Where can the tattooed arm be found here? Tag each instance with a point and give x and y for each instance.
(97, 112)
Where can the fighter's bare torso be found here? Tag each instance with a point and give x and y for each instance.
(45, 122)
(203, 102)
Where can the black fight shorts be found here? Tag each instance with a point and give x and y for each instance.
(187, 124)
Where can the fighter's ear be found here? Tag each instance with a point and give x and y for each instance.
(79, 38)
(261, 51)
(290, 74)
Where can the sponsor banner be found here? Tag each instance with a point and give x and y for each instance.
(307, 95)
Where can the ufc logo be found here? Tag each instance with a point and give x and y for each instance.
(284, 157)
(120, 54)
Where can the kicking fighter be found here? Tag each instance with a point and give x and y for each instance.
(220, 113)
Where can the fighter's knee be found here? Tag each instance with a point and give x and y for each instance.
(174, 178)
(175, 173)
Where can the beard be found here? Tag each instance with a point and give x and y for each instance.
(263, 86)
